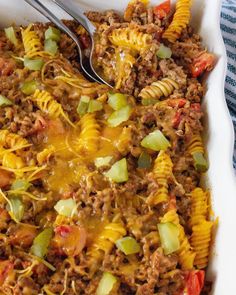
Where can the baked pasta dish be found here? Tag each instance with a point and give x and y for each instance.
(100, 187)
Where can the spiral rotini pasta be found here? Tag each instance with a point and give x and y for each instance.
(163, 166)
(12, 161)
(200, 241)
(88, 140)
(199, 206)
(104, 243)
(49, 105)
(163, 172)
(158, 89)
(32, 43)
(130, 38)
(186, 254)
(180, 20)
(195, 144)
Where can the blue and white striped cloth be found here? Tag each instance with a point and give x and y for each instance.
(228, 28)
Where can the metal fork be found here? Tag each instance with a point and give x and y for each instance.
(85, 62)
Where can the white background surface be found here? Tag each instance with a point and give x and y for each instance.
(219, 131)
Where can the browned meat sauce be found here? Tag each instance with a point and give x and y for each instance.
(88, 175)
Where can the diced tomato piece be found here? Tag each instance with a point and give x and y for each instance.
(85, 40)
(23, 235)
(195, 282)
(55, 127)
(204, 62)
(196, 106)
(176, 120)
(5, 178)
(6, 268)
(162, 10)
(63, 230)
(70, 239)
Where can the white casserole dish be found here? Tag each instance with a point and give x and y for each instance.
(218, 126)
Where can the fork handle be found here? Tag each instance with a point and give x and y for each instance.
(78, 16)
(48, 14)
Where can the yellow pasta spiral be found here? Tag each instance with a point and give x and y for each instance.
(186, 255)
(156, 90)
(161, 195)
(103, 244)
(180, 20)
(200, 241)
(130, 38)
(162, 171)
(12, 161)
(88, 140)
(49, 105)
(163, 166)
(32, 43)
(195, 144)
(199, 206)
(11, 140)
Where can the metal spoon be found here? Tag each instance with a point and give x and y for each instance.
(85, 62)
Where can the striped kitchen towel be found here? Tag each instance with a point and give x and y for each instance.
(228, 28)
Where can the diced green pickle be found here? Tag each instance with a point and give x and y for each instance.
(119, 116)
(128, 245)
(164, 52)
(94, 106)
(41, 243)
(118, 172)
(155, 141)
(144, 161)
(5, 101)
(50, 46)
(106, 284)
(169, 235)
(200, 163)
(53, 34)
(117, 101)
(29, 87)
(83, 105)
(10, 33)
(66, 207)
(20, 184)
(33, 64)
